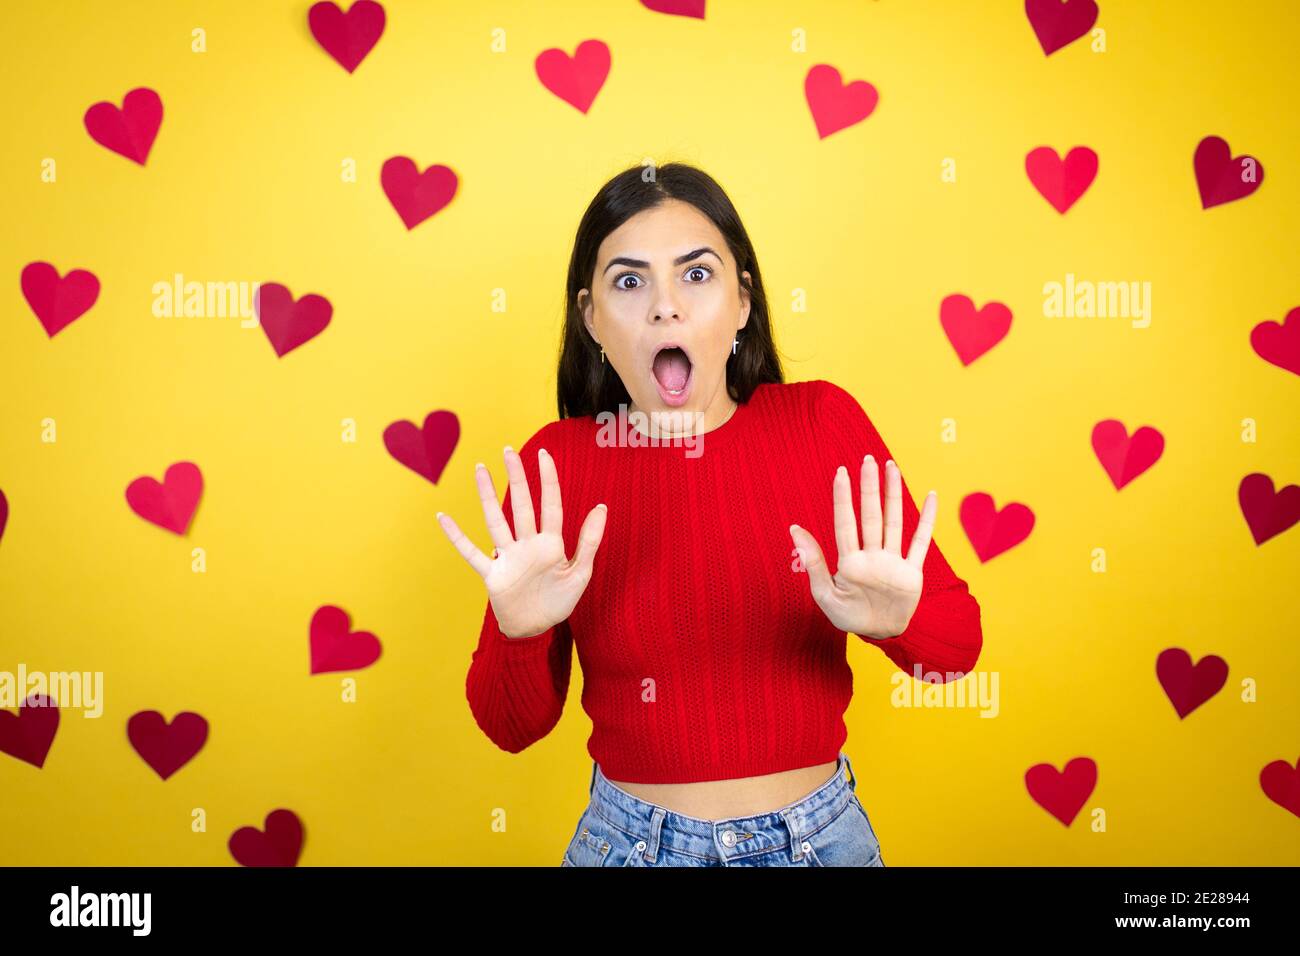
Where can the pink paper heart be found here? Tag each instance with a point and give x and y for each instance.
(1222, 177)
(425, 451)
(58, 302)
(1279, 343)
(1267, 514)
(166, 747)
(1280, 782)
(336, 648)
(971, 332)
(417, 195)
(681, 8)
(1058, 23)
(288, 324)
(575, 79)
(991, 531)
(1124, 457)
(1061, 181)
(170, 504)
(836, 105)
(131, 130)
(1189, 685)
(4, 514)
(1062, 793)
(348, 37)
(29, 734)
(278, 845)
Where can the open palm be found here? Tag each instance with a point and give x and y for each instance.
(875, 590)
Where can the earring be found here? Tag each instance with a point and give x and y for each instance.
(734, 343)
(602, 356)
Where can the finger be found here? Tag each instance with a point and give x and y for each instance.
(871, 524)
(552, 513)
(525, 522)
(479, 561)
(893, 508)
(924, 529)
(846, 523)
(492, 513)
(810, 554)
(589, 536)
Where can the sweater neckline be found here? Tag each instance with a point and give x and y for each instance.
(714, 438)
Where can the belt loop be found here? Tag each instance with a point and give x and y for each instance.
(853, 780)
(796, 840)
(591, 787)
(656, 825)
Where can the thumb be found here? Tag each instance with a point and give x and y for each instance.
(593, 529)
(819, 577)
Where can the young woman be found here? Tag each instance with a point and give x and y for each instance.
(709, 626)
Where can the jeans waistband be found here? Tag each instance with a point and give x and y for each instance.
(728, 838)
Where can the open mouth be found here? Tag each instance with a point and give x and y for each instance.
(672, 369)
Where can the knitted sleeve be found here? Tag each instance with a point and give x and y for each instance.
(945, 633)
(516, 687)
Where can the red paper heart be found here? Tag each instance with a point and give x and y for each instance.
(1062, 793)
(172, 503)
(1281, 783)
(1220, 177)
(288, 324)
(166, 748)
(681, 8)
(29, 734)
(1059, 23)
(1061, 181)
(992, 531)
(834, 104)
(971, 332)
(417, 195)
(575, 79)
(347, 37)
(58, 302)
(334, 647)
(1267, 514)
(425, 451)
(1279, 343)
(279, 845)
(4, 514)
(1186, 685)
(131, 130)
(1125, 458)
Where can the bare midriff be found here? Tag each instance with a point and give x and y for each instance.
(738, 797)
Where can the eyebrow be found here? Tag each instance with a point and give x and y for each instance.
(642, 264)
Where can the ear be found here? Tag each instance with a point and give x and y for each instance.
(585, 306)
(745, 303)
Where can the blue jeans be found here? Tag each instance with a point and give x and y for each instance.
(829, 827)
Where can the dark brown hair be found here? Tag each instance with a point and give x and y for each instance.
(584, 384)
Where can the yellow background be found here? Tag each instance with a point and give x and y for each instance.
(244, 183)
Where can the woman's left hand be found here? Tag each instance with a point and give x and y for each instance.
(875, 589)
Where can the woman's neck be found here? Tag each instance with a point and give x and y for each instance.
(680, 422)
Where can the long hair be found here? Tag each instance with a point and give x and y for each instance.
(584, 384)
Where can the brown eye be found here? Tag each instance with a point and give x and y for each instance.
(705, 269)
(618, 283)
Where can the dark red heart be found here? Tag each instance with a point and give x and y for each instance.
(4, 514)
(279, 845)
(1281, 783)
(1061, 181)
(288, 324)
(971, 332)
(348, 37)
(417, 195)
(575, 79)
(58, 302)
(1186, 685)
(837, 105)
(131, 130)
(1267, 513)
(29, 734)
(1125, 457)
(171, 503)
(1059, 23)
(425, 451)
(681, 8)
(334, 647)
(1221, 177)
(1279, 343)
(991, 531)
(1062, 793)
(166, 747)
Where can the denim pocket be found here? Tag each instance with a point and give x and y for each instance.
(848, 840)
(596, 843)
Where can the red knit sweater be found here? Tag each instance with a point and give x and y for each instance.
(704, 656)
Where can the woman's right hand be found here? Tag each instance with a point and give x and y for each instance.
(531, 584)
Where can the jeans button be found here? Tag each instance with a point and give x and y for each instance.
(728, 837)
(806, 846)
(640, 844)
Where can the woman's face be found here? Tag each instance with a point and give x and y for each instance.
(667, 277)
